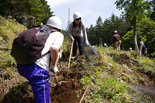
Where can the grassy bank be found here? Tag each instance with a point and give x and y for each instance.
(104, 80)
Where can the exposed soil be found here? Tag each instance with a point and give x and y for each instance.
(148, 81)
(22, 93)
(66, 92)
(15, 88)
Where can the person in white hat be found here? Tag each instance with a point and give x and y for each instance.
(33, 22)
(105, 45)
(37, 74)
(130, 49)
(77, 32)
(116, 39)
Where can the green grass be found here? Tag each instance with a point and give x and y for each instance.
(9, 29)
(107, 73)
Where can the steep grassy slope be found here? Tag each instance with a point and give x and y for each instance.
(112, 78)
(9, 29)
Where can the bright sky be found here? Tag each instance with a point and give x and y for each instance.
(89, 9)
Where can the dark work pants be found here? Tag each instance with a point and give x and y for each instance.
(78, 41)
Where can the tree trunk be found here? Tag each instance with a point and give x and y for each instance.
(135, 35)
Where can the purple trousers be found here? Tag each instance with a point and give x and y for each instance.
(38, 79)
(78, 41)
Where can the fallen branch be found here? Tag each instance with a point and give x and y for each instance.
(84, 94)
(126, 68)
(130, 70)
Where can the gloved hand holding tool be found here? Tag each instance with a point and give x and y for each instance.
(54, 68)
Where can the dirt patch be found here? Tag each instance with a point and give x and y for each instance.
(66, 92)
(124, 59)
(15, 90)
(19, 94)
(147, 80)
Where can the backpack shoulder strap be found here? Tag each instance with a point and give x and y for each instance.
(49, 50)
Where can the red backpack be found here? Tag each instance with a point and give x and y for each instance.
(27, 47)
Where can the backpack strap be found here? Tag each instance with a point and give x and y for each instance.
(45, 38)
(45, 54)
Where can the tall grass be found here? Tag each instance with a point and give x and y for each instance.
(9, 29)
(109, 80)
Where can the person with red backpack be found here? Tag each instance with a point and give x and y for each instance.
(36, 72)
(77, 32)
(116, 39)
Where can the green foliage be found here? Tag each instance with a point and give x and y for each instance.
(153, 12)
(28, 8)
(145, 27)
(127, 40)
(153, 54)
(134, 10)
(147, 66)
(113, 89)
(105, 30)
(104, 80)
(85, 80)
(92, 35)
(24, 86)
(6, 59)
(9, 29)
(146, 33)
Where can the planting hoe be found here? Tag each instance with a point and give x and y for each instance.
(56, 74)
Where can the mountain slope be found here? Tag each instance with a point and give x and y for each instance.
(112, 78)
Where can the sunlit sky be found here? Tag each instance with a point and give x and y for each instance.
(89, 9)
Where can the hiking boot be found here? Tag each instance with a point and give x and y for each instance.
(81, 57)
(73, 58)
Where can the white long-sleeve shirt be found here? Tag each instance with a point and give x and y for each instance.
(78, 32)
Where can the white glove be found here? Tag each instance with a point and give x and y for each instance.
(87, 42)
(54, 69)
(60, 53)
